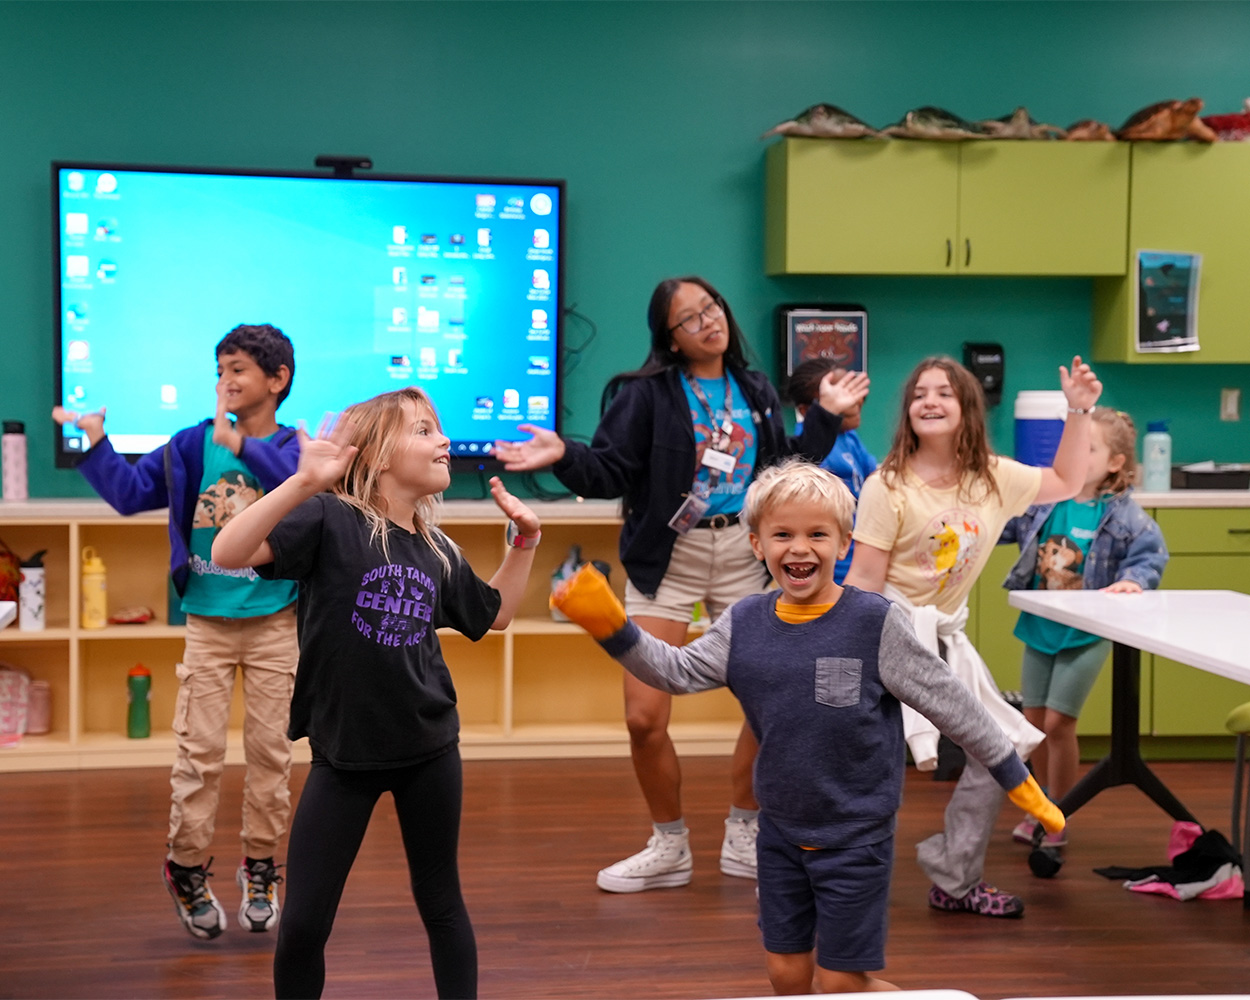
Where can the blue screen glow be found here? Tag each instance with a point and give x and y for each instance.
(450, 285)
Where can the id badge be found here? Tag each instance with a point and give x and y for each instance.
(688, 514)
(721, 461)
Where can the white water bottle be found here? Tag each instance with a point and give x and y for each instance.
(13, 460)
(32, 594)
(1157, 458)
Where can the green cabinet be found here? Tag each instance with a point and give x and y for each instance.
(905, 207)
(1190, 198)
(1210, 550)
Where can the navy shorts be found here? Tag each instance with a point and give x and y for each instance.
(834, 899)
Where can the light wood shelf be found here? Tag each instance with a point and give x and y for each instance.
(540, 688)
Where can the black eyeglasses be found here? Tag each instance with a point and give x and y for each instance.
(693, 324)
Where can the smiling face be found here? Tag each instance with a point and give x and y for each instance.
(246, 387)
(705, 349)
(934, 410)
(420, 463)
(801, 541)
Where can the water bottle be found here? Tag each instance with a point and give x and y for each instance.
(39, 708)
(95, 605)
(1157, 458)
(31, 595)
(13, 461)
(139, 711)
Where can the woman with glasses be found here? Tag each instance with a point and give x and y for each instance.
(679, 441)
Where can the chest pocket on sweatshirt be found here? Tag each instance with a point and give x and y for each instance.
(837, 681)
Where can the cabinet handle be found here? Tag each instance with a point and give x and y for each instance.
(948, 253)
(967, 251)
(1239, 531)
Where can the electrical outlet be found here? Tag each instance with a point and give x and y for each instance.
(1230, 404)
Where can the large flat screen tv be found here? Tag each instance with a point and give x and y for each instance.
(381, 281)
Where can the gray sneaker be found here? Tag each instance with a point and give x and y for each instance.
(258, 880)
(664, 863)
(194, 901)
(737, 851)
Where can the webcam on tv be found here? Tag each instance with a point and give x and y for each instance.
(344, 165)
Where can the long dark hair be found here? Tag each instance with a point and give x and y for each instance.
(661, 356)
(972, 445)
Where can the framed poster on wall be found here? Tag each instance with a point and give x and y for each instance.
(1167, 301)
(830, 330)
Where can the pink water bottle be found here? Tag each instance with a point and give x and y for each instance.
(13, 461)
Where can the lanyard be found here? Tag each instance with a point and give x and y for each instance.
(720, 433)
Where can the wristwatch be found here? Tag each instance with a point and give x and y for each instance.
(517, 540)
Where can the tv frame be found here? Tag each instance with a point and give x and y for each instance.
(341, 170)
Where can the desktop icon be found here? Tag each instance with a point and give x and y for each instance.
(75, 223)
(484, 403)
(105, 228)
(511, 399)
(429, 239)
(427, 319)
(169, 394)
(542, 239)
(453, 357)
(541, 279)
(400, 361)
(106, 184)
(540, 204)
(107, 270)
(485, 201)
(516, 203)
(399, 275)
(429, 357)
(399, 234)
(399, 316)
(77, 350)
(74, 181)
(429, 279)
(483, 238)
(539, 362)
(538, 404)
(457, 239)
(76, 313)
(77, 266)
(538, 319)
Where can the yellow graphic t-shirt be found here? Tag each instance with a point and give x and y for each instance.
(939, 540)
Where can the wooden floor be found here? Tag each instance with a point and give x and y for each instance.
(83, 912)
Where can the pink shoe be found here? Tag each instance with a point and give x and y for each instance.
(982, 899)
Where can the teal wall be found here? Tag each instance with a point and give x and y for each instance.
(651, 111)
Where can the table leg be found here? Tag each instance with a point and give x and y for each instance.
(1123, 765)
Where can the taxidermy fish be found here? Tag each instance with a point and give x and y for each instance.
(824, 120)
(1167, 120)
(1020, 125)
(934, 123)
(1089, 130)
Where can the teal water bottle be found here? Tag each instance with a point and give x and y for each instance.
(139, 712)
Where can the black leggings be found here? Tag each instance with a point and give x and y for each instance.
(326, 834)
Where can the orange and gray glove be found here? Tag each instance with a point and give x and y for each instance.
(587, 599)
(1028, 795)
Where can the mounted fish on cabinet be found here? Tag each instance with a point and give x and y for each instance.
(826, 121)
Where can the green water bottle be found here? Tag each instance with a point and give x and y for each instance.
(139, 713)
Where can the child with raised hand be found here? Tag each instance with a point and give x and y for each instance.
(1099, 540)
(928, 520)
(236, 622)
(848, 459)
(820, 670)
(356, 526)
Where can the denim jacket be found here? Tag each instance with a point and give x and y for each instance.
(1128, 546)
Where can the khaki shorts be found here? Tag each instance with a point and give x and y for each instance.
(712, 565)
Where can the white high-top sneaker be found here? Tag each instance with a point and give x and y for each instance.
(737, 852)
(665, 862)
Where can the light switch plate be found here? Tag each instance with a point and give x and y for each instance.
(1230, 404)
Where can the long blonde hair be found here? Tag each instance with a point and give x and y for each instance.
(377, 425)
(972, 444)
(1121, 434)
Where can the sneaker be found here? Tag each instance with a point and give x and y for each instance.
(1023, 834)
(982, 899)
(664, 863)
(737, 852)
(258, 881)
(194, 901)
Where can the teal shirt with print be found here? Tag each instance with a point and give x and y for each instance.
(730, 490)
(228, 486)
(1061, 550)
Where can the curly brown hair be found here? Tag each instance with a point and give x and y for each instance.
(972, 446)
(1121, 435)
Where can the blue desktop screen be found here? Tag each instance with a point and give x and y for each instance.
(449, 285)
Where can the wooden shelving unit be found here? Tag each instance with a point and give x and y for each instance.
(539, 689)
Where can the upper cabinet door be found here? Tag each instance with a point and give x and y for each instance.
(1191, 198)
(1034, 207)
(861, 206)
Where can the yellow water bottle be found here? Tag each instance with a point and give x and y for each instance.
(95, 605)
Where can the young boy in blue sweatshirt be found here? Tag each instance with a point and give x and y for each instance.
(820, 670)
(204, 475)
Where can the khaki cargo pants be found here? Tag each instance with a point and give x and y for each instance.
(266, 650)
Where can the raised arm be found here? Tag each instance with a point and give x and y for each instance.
(513, 573)
(1064, 479)
(322, 462)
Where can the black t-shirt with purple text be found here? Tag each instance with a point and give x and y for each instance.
(373, 690)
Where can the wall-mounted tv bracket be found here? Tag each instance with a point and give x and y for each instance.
(344, 165)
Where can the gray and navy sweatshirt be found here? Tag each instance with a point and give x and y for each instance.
(823, 700)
